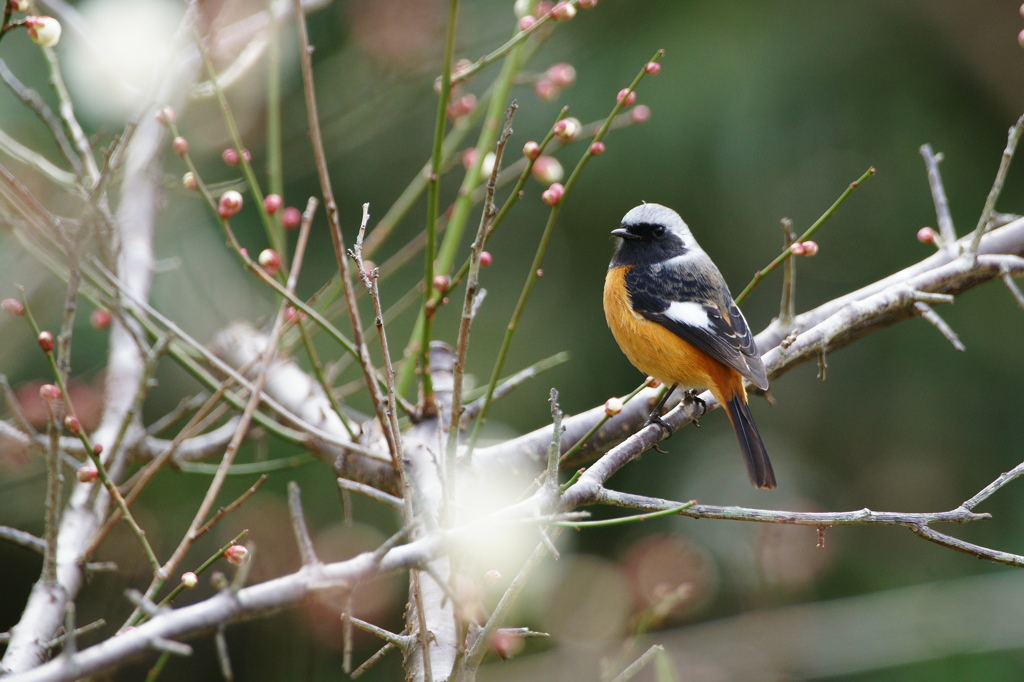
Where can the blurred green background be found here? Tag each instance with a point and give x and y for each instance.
(761, 111)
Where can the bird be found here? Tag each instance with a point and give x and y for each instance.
(671, 313)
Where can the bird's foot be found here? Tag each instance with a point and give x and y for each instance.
(692, 397)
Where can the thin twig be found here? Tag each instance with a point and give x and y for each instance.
(1012, 138)
(925, 311)
(224, 511)
(370, 280)
(511, 383)
(640, 663)
(372, 660)
(371, 492)
(1012, 286)
(787, 306)
(947, 232)
(306, 549)
(555, 449)
(331, 207)
(470, 301)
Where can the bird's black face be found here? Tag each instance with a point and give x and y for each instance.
(646, 244)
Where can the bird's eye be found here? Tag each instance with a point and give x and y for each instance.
(658, 231)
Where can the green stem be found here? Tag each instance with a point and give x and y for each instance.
(433, 199)
(624, 519)
(761, 274)
(460, 212)
(275, 233)
(275, 172)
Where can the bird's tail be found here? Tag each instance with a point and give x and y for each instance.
(759, 467)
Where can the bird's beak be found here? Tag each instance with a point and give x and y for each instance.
(624, 233)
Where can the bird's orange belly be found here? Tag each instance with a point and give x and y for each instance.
(652, 348)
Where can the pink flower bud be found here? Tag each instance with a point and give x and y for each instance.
(293, 315)
(12, 307)
(272, 203)
(568, 128)
(653, 383)
(291, 218)
(72, 424)
(553, 194)
(230, 156)
(97, 449)
(50, 393)
(597, 148)
(539, 273)
(188, 181)
(1020, 36)
(491, 577)
(461, 106)
(87, 473)
(486, 259)
(100, 319)
(587, 4)
(235, 554)
(561, 74)
(927, 235)
(543, 8)
(652, 68)
(506, 643)
(189, 579)
(612, 407)
(441, 283)
(180, 146)
(810, 248)
(546, 90)
(797, 249)
(626, 96)
(165, 116)
(531, 150)
(45, 340)
(641, 114)
(43, 30)
(547, 169)
(270, 261)
(563, 11)
(469, 158)
(527, 22)
(230, 203)
(18, 5)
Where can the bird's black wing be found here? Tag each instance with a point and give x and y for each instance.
(699, 310)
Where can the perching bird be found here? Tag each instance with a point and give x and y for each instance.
(672, 314)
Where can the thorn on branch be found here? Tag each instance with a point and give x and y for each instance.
(1012, 286)
(302, 537)
(943, 216)
(984, 222)
(925, 311)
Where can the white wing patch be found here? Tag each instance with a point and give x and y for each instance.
(688, 313)
(686, 261)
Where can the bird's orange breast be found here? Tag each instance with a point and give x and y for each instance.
(655, 350)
